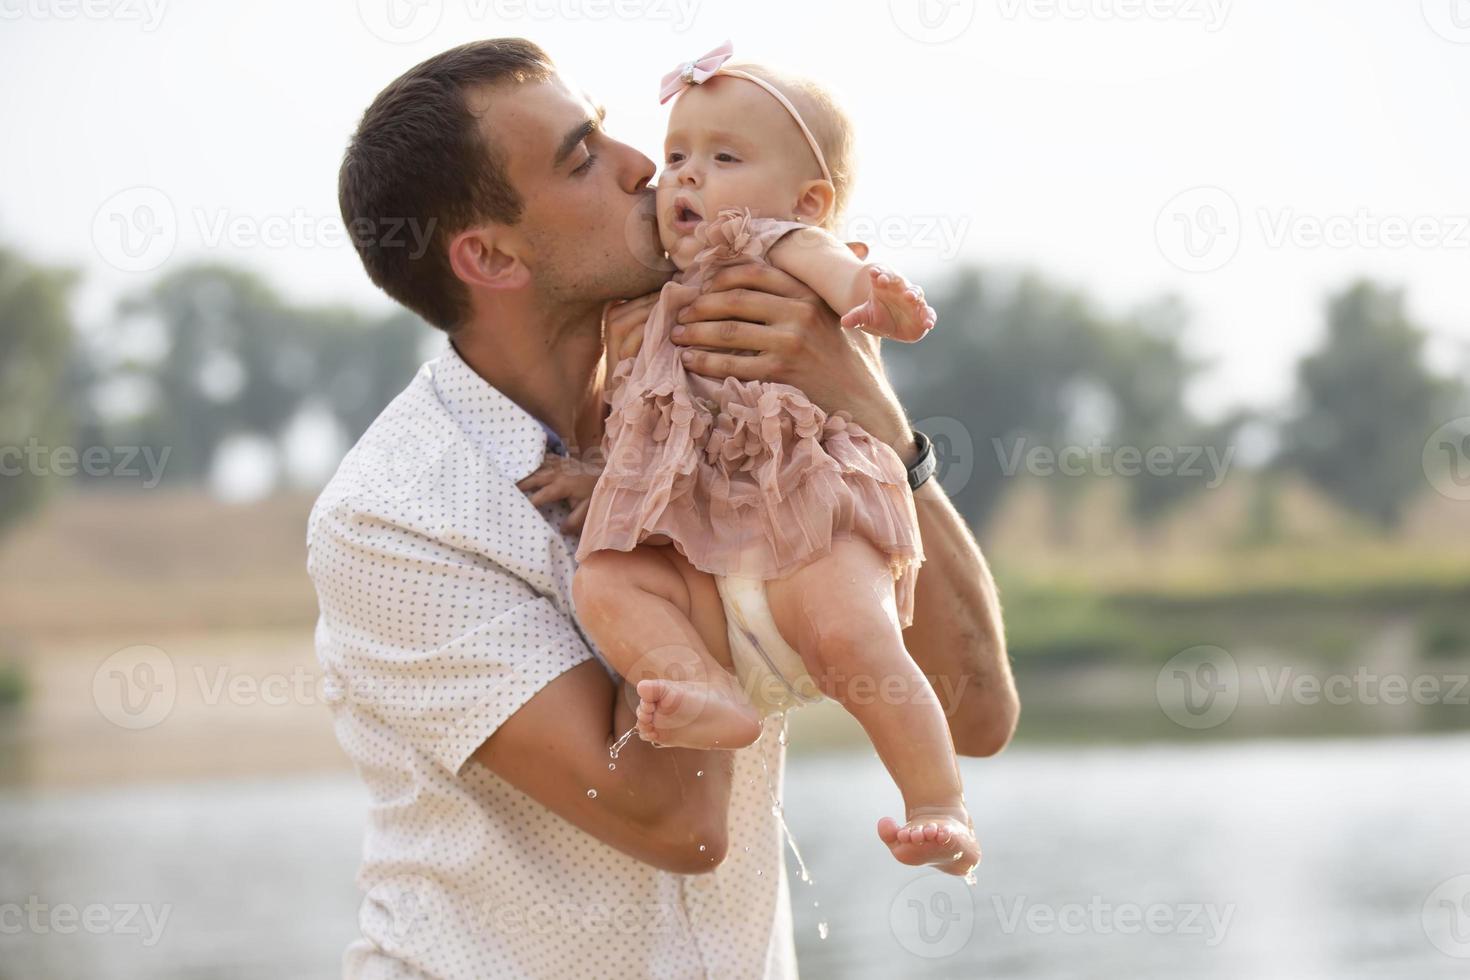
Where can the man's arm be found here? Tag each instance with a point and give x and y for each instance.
(652, 807)
(957, 637)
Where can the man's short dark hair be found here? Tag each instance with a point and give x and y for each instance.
(419, 170)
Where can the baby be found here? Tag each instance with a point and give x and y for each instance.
(805, 522)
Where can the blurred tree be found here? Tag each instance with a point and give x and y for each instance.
(1146, 373)
(1365, 404)
(238, 360)
(1020, 365)
(993, 380)
(35, 348)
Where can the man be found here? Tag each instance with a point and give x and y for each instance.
(503, 839)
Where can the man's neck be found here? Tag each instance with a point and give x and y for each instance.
(549, 364)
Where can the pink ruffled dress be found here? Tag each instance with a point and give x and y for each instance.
(746, 478)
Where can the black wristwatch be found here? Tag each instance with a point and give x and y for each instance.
(925, 463)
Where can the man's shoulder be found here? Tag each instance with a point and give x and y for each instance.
(400, 457)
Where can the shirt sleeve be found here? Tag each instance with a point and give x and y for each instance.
(438, 644)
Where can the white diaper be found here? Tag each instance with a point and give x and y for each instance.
(770, 672)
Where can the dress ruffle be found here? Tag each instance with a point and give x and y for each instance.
(746, 478)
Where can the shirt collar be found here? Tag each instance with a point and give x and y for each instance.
(517, 439)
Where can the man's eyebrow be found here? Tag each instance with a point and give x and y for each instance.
(576, 136)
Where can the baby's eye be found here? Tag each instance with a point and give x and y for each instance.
(675, 157)
(725, 157)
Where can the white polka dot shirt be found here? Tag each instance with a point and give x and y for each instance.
(446, 605)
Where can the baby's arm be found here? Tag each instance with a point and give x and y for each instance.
(870, 297)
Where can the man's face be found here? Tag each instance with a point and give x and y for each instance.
(588, 222)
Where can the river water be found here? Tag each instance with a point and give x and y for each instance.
(1259, 859)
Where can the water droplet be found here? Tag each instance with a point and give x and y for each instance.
(759, 872)
(822, 930)
(701, 847)
(700, 773)
(747, 848)
(592, 794)
(611, 766)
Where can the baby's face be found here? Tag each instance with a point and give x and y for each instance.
(730, 145)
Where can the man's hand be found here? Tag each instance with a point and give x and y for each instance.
(622, 327)
(569, 478)
(798, 341)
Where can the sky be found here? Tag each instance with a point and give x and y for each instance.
(1248, 156)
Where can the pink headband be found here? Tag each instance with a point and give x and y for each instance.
(712, 64)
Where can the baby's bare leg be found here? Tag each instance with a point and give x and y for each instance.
(839, 613)
(660, 623)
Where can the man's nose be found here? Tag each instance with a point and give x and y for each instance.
(637, 171)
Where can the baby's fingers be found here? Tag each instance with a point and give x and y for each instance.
(578, 517)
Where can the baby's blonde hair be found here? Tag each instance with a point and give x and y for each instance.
(829, 124)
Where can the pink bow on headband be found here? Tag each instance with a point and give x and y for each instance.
(694, 72)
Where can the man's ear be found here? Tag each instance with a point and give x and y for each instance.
(489, 258)
(814, 202)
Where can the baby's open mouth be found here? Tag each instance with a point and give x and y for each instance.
(686, 219)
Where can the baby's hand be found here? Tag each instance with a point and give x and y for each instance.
(896, 308)
(568, 478)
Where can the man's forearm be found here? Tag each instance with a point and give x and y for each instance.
(957, 637)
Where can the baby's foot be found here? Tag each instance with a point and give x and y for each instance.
(896, 309)
(937, 836)
(694, 715)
